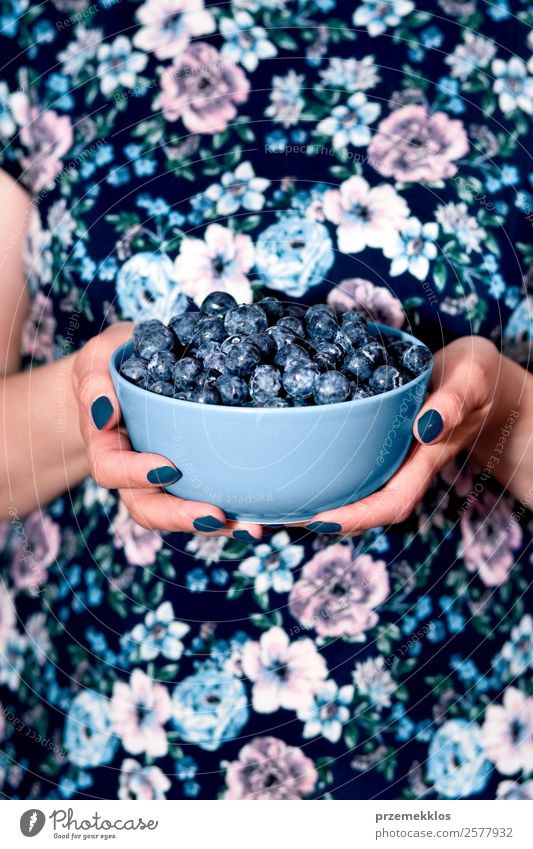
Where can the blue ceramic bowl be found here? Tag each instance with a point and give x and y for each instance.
(274, 465)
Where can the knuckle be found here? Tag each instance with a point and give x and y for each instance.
(455, 405)
(140, 519)
(137, 514)
(401, 507)
(99, 471)
(401, 514)
(485, 347)
(86, 390)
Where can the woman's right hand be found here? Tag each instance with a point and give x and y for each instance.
(115, 465)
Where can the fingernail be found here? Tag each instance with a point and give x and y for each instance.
(101, 411)
(164, 475)
(324, 527)
(430, 425)
(207, 524)
(245, 536)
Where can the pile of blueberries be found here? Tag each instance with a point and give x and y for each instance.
(268, 354)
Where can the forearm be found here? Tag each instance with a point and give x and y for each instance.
(42, 452)
(505, 442)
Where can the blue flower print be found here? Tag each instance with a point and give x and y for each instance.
(457, 765)
(161, 634)
(88, 736)
(272, 565)
(294, 255)
(209, 707)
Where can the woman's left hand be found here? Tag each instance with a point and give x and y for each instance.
(463, 400)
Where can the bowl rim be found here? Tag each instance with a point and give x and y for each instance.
(309, 410)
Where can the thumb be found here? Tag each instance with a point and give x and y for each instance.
(92, 380)
(463, 379)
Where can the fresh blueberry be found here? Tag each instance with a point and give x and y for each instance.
(299, 379)
(290, 353)
(185, 373)
(206, 348)
(183, 395)
(209, 330)
(354, 326)
(271, 402)
(322, 326)
(357, 365)
(134, 369)
(139, 329)
(416, 359)
(292, 323)
(332, 387)
(343, 341)
(160, 365)
(296, 310)
(319, 308)
(184, 326)
(353, 315)
(327, 356)
(205, 378)
(265, 343)
(242, 359)
(375, 353)
(272, 308)
(230, 342)
(245, 319)
(385, 378)
(265, 383)
(217, 303)
(358, 392)
(161, 387)
(281, 336)
(215, 362)
(330, 349)
(233, 390)
(396, 348)
(154, 340)
(205, 395)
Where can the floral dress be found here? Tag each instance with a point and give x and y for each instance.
(371, 155)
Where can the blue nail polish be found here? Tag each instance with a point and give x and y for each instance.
(324, 527)
(164, 475)
(101, 411)
(245, 536)
(430, 425)
(208, 524)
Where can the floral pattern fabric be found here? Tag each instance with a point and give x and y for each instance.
(373, 155)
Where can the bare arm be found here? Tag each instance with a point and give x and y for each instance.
(50, 438)
(42, 452)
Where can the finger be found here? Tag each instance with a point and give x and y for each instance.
(394, 502)
(160, 511)
(114, 465)
(98, 402)
(245, 531)
(164, 512)
(463, 379)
